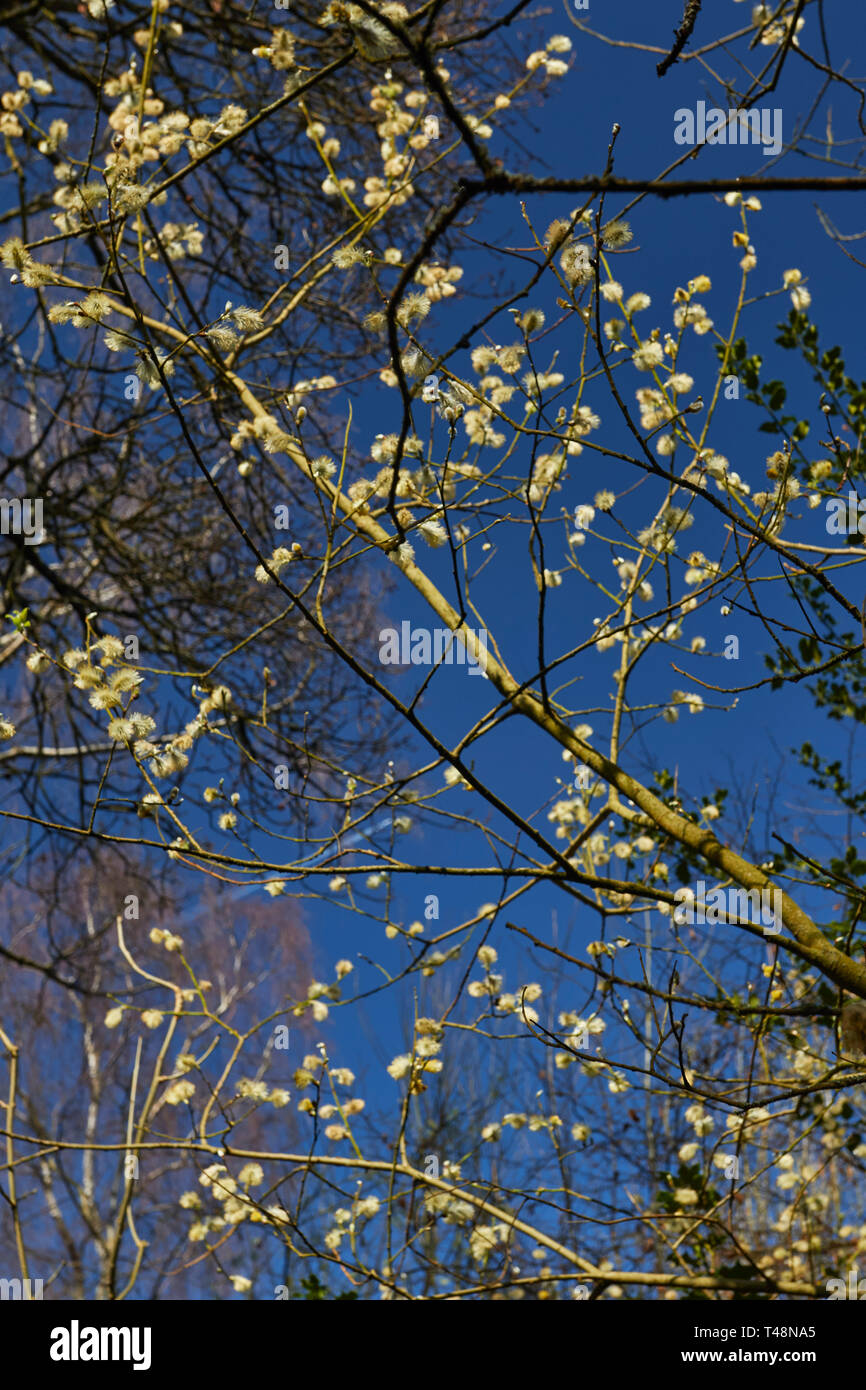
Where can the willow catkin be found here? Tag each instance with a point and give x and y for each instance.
(853, 1028)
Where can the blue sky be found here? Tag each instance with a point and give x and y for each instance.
(746, 748)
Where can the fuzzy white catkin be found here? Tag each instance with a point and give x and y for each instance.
(853, 1029)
